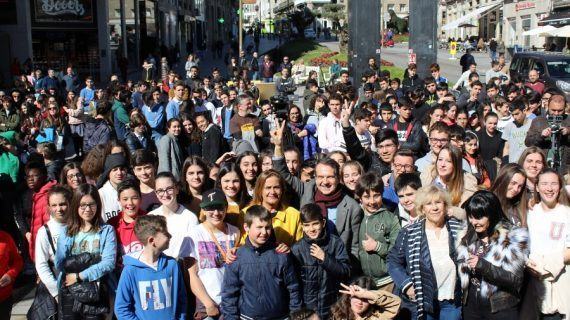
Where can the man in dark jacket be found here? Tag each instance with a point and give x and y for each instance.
(347, 210)
(97, 130)
(540, 132)
(409, 130)
(212, 140)
(260, 284)
(413, 80)
(466, 60)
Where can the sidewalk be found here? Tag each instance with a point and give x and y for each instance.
(209, 62)
(24, 296)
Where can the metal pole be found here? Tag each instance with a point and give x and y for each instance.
(137, 33)
(240, 25)
(123, 27)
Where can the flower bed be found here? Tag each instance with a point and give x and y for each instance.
(326, 59)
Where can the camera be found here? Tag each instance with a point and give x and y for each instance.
(554, 122)
(280, 106)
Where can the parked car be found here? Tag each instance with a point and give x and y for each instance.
(553, 68)
(310, 33)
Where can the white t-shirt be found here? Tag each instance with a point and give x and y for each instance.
(366, 140)
(515, 136)
(549, 231)
(110, 201)
(179, 225)
(211, 266)
(502, 123)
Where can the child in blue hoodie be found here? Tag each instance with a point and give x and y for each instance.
(151, 284)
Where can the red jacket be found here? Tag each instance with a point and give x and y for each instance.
(126, 238)
(10, 263)
(538, 86)
(40, 213)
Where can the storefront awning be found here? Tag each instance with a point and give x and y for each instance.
(556, 19)
(539, 31)
(476, 14)
(563, 32)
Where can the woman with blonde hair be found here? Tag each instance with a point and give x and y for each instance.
(350, 172)
(423, 261)
(447, 173)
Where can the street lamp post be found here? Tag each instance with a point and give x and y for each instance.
(240, 25)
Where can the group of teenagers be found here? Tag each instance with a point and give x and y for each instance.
(394, 199)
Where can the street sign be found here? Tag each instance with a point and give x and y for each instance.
(453, 49)
(411, 56)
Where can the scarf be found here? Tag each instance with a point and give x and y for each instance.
(328, 201)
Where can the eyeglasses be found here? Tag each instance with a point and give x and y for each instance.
(436, 140)
(161, 192)
(84, 206)
(52, 108)
(403, 166)
(77, 175)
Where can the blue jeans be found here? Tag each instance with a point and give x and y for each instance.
(255, 75)
(267, 79)
(447, 311)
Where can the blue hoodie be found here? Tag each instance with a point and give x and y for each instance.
(146, 293)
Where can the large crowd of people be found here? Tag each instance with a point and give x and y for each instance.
(189, 197)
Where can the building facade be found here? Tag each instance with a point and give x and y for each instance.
(521, 16)
(54, 35)
(91, 35)
(480, 18)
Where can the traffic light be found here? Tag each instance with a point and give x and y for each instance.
(221, 20)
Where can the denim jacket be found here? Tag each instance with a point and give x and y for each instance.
(108, 246)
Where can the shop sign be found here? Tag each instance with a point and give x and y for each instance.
(73, 11)
(524, 5)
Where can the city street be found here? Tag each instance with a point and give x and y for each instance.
(449, 68)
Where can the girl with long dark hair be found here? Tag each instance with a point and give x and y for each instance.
(474, 159)
(510, 189)
(232, 183)
(86, 254)
(493, 256)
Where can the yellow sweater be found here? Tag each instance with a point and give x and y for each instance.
(286, 225)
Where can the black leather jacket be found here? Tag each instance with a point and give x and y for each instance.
(501, 269)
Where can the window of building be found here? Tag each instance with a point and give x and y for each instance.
(390, 6)
(525, 24)
(403, 8)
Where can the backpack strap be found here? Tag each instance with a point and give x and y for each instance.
(50, 238)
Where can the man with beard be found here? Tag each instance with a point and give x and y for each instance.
(343, 213)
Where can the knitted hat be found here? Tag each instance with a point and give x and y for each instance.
(112, 161)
